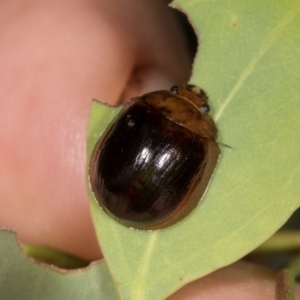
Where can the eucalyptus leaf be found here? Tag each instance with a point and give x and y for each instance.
(249, 65)
(22, 278)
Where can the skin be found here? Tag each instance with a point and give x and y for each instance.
(55, 57)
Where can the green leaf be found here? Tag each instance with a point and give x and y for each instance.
(249, 65)
(22, 278)
(54, 257)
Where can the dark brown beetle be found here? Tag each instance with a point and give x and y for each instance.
(154, 162)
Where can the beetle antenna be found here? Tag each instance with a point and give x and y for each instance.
(225, 145)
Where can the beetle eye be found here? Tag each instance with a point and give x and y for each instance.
(205, 108)
(174, 89)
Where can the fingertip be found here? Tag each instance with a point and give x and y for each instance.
(145, 80)
(239, 281)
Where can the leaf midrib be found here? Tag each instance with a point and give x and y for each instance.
(259, 54)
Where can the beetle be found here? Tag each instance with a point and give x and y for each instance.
(153, 163)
